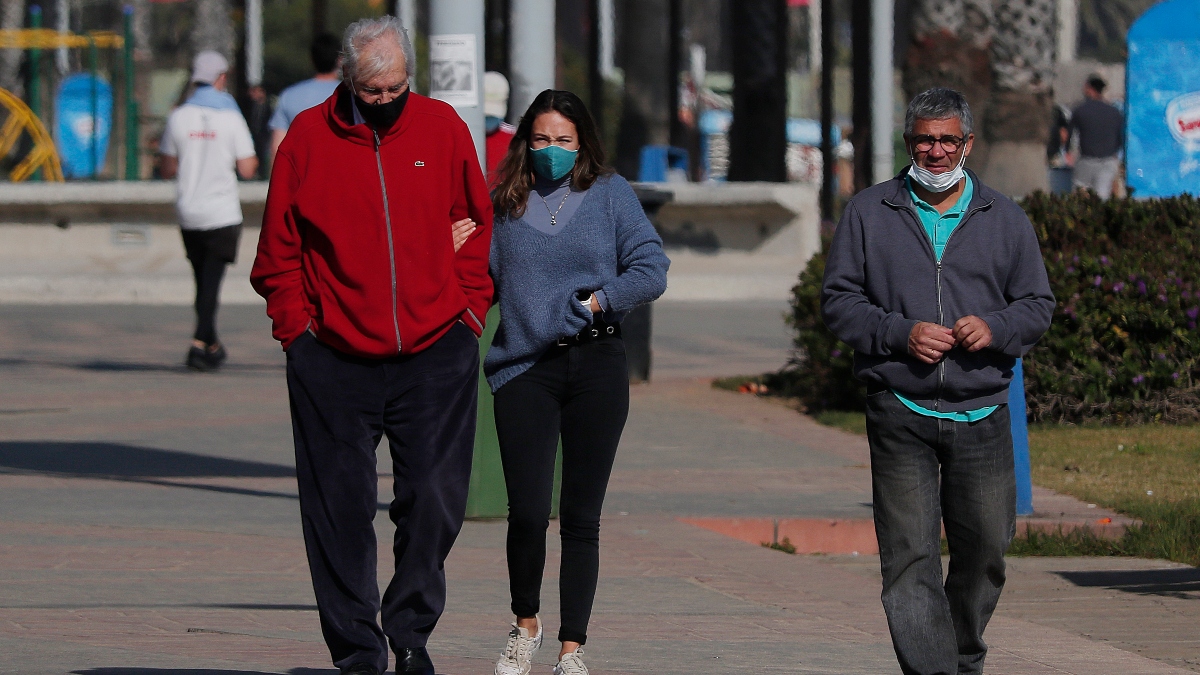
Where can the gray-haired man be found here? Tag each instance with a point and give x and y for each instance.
(379, 310)
(938, 283)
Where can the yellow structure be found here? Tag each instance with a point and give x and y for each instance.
(22, 120)
(44, 38)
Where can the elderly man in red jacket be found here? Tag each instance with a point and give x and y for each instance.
(380, 317)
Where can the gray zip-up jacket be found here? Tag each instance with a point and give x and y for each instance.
(881, 278)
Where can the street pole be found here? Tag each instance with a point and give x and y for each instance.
(94, 69)
(132, 171)
(406, 11)
(254, 42)
(35, 90)
(532, 39)
(882, 90)
(827, 63)
(456, 62)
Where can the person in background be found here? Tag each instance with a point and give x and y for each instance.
(379, 308)
(937, 282)
(207, 145)
(1100, 128)
(325, 53)
(495, 109)
(572, 253)
(257, 112)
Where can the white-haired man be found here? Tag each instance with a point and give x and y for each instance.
(380, 316)
(937, 281)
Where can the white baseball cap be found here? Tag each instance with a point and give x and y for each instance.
(495, 94)
(207, 66)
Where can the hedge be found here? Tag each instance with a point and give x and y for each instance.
(1123, 346)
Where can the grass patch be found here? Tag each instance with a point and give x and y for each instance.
(854, 422)
(1148, 471)
(786, 546)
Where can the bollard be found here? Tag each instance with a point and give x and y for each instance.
(1020, 435)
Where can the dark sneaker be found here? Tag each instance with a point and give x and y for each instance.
(204, 360)
(197, 359)
(215, 355)
(361, 669)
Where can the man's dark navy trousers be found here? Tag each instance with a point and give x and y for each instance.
(342, 406)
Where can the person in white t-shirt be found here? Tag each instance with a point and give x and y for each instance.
(205, 142)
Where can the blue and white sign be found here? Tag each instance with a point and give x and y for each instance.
(1162, 145)
(81, 137)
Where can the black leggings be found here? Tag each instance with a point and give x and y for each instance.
(582, 393)
(209, 251)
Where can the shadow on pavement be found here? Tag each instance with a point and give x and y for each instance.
(116, 460)
(1180, 582)
(192, 671)
(136, 367)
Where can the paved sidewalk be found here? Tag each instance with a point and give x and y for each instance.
(148, 524)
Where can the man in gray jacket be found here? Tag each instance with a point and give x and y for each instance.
(938, 284)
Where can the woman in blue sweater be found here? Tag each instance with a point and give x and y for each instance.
(572, 253)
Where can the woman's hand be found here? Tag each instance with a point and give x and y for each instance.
(461, 231)
(594, 304)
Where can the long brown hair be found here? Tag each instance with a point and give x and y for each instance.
(515, 173)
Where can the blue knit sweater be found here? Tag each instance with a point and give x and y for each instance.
(608, 245)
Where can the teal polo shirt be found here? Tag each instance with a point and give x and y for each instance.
(938, 227)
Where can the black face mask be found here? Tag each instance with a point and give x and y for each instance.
(382, 115)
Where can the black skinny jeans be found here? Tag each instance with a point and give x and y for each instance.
(209, 251)
(582, 393)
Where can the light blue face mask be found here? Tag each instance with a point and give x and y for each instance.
(553, 162)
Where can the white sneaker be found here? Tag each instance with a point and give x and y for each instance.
(518, 653)
(571, 664)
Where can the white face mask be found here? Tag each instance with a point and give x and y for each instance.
(937, 182)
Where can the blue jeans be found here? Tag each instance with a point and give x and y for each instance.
(926, 472)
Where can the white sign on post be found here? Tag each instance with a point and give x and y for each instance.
(453, 70)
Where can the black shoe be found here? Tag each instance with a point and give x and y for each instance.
(206, 359)
(413, 661)
(215, 355)
(361, 669)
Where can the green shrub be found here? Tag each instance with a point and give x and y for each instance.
(1123, 346)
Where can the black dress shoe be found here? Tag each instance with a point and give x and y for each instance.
(413, 661)
(361, 669)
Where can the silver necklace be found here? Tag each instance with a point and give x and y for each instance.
(554, 213)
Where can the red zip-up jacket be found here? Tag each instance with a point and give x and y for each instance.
(356, 241)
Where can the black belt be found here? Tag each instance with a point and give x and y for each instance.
(597, 331)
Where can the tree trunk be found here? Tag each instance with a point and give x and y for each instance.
(950, 47)
(1018, 116)
(643, 50)
(213, 27)
(758, 137)
(12, 16)
(1001, 57)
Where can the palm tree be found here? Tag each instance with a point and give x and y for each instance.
(1018, 114)
(950, 47)
(1000, 55)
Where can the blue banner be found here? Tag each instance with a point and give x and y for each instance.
(82, 152)
(1162, 143)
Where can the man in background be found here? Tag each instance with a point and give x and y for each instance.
(495, 109)
(257, 111)
(205, 142)
(325, 52)
(1101, 131)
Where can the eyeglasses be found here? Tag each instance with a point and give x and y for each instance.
(378, 92)
(925, 143)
